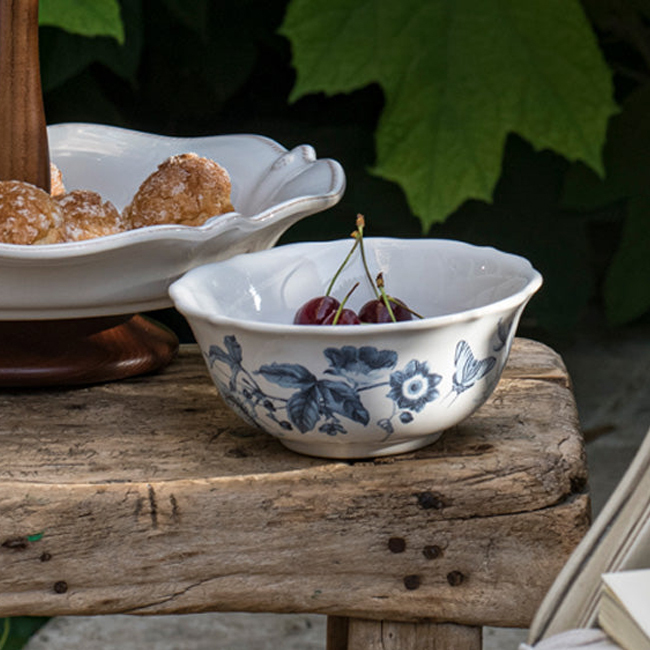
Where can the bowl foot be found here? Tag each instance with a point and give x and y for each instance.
(82, 351)
(351, 451)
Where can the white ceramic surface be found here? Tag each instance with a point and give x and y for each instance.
(358, 390)
(272, 188)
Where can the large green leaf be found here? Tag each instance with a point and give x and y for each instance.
(627, 163)
(64, 54)
(194, 15)
(627, 286)
(84, 17)
(17, 631)
(626, 159)
(457, 78)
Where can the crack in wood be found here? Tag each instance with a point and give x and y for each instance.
(168, 599)
(176, 511)
(153, 506)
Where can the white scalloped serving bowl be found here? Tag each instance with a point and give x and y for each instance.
(356, 391)
(272, 188)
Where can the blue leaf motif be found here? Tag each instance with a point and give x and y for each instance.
(288, 375)
(339, 397)
(332, 428)
(232, 358)
(234, 349)
(365, 360)
(302, 409)
(215, 353)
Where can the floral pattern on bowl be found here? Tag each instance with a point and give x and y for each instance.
(306, 400)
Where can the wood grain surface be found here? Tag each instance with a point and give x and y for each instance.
(147, 496)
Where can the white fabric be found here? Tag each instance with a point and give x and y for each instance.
(588, 639)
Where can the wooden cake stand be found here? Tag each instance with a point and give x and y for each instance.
(56, 352)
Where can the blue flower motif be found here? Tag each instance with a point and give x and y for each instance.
(414, 386)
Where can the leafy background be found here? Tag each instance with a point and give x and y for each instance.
(518, 125)
(521, 125)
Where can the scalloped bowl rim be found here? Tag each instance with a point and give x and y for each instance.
(178, 288)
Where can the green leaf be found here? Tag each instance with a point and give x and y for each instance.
(524, 219)
(19, 630)
(627, 285)
(193, 15)
(627, 153)
(626, 158)
(64, 55)
(84, 17)
(585, 190)
(457, 78)
(614, 16)
(627, 162)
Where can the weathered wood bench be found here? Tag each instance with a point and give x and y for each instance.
(147, 496)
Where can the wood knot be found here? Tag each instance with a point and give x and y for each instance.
(432, 552)
(45, 557)
(236, 452)
(481, 448)
(455, 578)
(430, 500)
(396, 545)
(412, 582)
(60, 587)
(16, 543)
(578, 484)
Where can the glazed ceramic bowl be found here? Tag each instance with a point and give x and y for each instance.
(272, 188)
(357, 391)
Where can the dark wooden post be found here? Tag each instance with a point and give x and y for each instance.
(24, 151)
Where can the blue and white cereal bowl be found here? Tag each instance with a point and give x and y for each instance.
(357, 391)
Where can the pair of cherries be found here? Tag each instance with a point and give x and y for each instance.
(327, 310)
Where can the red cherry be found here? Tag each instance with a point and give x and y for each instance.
(375, 311)
(346, 317)
(316, 310)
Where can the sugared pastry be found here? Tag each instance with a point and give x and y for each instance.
(28, 215)
(185, 189)
(86, 215)
(57, 188)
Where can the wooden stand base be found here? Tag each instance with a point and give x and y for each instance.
(82, 351)
(352, 634)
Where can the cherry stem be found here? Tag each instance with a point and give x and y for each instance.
(384, 297)
(339, 311)
(361, 222)
(340, 269)
(408, 309)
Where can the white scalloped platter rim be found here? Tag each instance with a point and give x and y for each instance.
(196, 234)
(272, 188)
